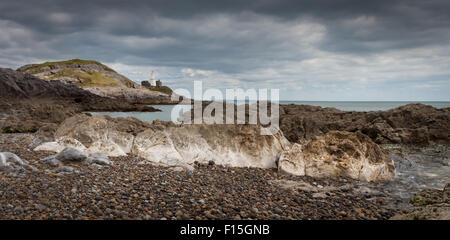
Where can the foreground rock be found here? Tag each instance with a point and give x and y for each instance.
(10, 162)
(409, 124)
(429, 204)
(74, 157)
(231, 145)
(340, 154)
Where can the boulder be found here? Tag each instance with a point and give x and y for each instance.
(114, 137)
(338, 153)
(98, 159)
(70, 154)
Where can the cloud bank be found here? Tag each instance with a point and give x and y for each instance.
(310, 50)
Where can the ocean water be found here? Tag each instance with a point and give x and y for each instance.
(364, 106)
(165, 114)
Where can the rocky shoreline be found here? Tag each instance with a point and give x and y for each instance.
(133, 188)
(129, 190)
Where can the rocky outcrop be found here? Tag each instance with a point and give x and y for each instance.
(231, 145)
(409, 124)
(338, 154)
(14, 84)
(138, 94)
(79, 72)
(429, 204)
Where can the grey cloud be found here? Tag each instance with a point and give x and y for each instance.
(310, 43)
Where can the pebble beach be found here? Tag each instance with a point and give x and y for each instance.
(130, 190)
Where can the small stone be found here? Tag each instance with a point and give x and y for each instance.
(178, 213)
(40, 207)
(18, 210)
(255, 210)
(342, 213)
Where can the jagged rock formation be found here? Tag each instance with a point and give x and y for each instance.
(409, 124)
(232, 145)
(337, 153)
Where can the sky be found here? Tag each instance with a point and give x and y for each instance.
(334, 50)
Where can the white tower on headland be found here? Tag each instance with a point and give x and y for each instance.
(153, 79)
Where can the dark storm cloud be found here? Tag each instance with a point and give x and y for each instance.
(292, 44)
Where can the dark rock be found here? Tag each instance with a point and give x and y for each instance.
(409, 124)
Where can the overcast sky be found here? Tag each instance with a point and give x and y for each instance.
(310, 50)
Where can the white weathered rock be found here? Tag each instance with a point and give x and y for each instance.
(337, 153)
(62, 170)
(11, 162)
(98, 158)
(50, 146)
(70, 154)
(229, 145)
(91, 135)
(52, 161)
(232, 145)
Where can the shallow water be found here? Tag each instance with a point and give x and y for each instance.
(164, 115)
(417, 169)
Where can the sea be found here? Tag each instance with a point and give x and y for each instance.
(166, 110)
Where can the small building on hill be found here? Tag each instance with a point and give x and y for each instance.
(152, 82)
(145, 84)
